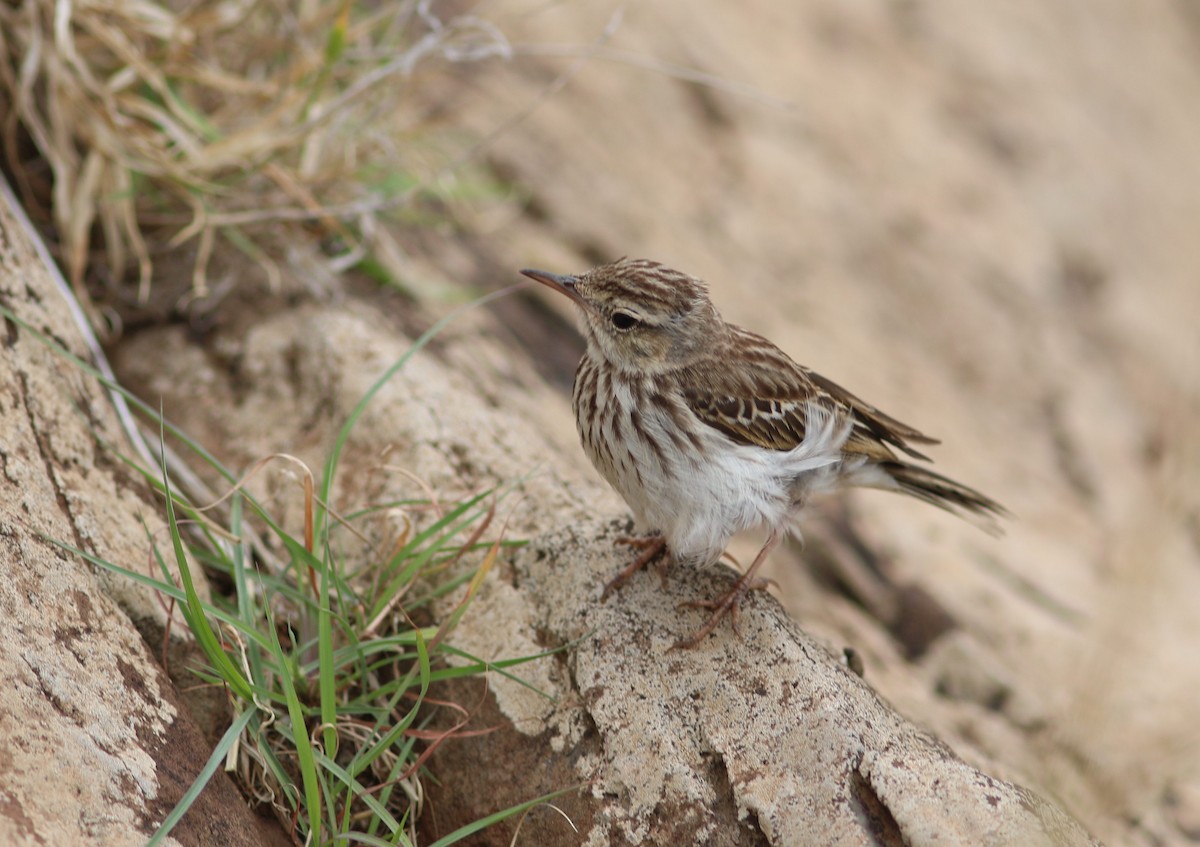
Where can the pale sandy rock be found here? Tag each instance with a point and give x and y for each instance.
(766, 736)
(982, 220)
(979, 216)
(807, 750)
(95, 747)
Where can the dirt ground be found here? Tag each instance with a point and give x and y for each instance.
(981, 218)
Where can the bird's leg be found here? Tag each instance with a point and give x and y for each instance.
(730, 602)
(652, 547)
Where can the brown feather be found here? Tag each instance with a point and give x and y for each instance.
(945, 493)
(759, 396)
(654, 332)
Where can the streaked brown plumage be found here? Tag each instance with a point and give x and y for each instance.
(707, 429)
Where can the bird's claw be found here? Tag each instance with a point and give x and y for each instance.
(652, 547)
(729, 603)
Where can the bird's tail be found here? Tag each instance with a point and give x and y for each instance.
(945, 493)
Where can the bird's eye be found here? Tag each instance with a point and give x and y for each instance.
(624, 320)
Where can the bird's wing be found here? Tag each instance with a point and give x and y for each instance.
(756, 395)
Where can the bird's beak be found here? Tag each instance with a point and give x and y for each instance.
(556, 282)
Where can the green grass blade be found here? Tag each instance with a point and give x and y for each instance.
(202, 779)
(372, 840)
(326, 670)
(110, 385)
(168, 589)
(359, 792)
(299, 732)
(343, 435)
(193, 609)
(425, 674)
(483, 823)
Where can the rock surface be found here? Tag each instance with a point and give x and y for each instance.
(766, 738)
(980, 217)
(96, 746)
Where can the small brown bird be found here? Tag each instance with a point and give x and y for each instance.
(707, 429)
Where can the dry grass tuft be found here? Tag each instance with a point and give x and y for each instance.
(165, 126)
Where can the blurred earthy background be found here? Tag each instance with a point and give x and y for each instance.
(984, 218)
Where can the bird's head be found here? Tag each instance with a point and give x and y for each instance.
(639, 315)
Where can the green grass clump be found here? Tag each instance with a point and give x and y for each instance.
(326, 670)
(326, 674)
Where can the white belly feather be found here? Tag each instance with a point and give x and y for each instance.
(699, 498)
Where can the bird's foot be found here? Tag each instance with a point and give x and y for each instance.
(729, 603)
(652, 547)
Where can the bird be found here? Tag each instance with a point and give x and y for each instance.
(706, 429)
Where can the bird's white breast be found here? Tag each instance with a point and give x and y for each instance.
(700, 491)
